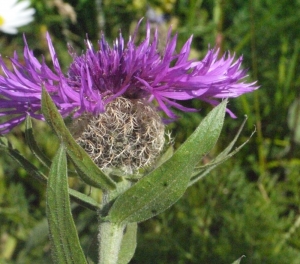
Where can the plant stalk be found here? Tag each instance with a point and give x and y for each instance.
(110, 235)
(110, 238)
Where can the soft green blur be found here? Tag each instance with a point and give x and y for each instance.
(248, 206)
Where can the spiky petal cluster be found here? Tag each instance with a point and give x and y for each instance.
(132, 71)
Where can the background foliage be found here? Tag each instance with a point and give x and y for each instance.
(249, 206)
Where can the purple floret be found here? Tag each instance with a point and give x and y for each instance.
(97, 77)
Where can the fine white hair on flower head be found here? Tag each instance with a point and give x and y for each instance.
(14, 14)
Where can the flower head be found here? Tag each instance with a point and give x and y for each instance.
(14, 14)
(132, 71)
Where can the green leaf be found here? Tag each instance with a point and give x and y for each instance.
(23, 162)
(162, 187)
(33, 171)
(63, 235)
(202, 171)
(238, 261)
(168, 154)
(88, 170)
(37, 152)
(224, 153)
(32, 144)
(128, 245)
(84, 200)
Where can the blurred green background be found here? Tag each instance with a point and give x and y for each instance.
(248, 206)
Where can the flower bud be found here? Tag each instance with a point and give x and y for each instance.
(128, 136)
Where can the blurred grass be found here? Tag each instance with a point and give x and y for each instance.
(250, 205)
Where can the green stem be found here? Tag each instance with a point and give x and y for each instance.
(110, 238)
(110, 235)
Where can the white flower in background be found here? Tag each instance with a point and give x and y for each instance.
(14, 14)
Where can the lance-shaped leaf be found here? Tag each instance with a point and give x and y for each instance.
(202, 171)
(23, 162)
(238, 261)
(33, 171)
(84, 200)
(87, 169)
(32, 144)
(36, 151)
(128, 244)
(63, 235)
(161, 188)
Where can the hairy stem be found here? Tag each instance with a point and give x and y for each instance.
(110, 235)
(110, 238)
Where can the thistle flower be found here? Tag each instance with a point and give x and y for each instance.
(137, 73)
(14, 14)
